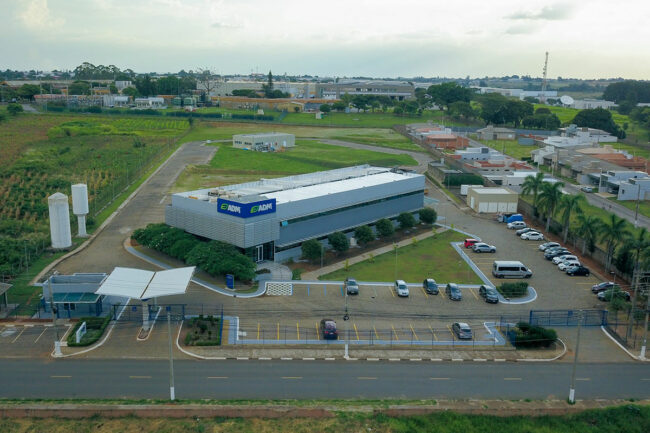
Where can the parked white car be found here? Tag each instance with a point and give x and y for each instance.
(517, 225)
(563, 266)
(559, 259)
(548, 245)
(532, 236)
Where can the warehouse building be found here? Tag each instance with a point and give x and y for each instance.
(264, 141)
(269, 219)
(492, 200)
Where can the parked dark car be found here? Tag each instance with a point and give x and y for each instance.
(550, 254)
(578, 270)
(489, 293)
(430, 286)
(548, 245)
(616, 293)
(328, 329)
(462, 330)
(453, 292)
(351, 286)
(601, 287)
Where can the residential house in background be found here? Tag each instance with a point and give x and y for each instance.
(491, 132)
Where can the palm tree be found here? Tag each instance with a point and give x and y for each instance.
(612, 231)
(532, 185)
(549, 198)
(640, 244)
(570, 203)
(588, 229)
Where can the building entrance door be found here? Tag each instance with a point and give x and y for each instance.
(259, 253)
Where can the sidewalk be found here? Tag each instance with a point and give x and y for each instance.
(313, 275)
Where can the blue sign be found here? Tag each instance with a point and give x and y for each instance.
(230, 281)
(245, 210)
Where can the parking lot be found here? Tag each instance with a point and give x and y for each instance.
(27, 340)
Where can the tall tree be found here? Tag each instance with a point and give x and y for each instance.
(533, 185)
(588, 229)
(612, 232)
(146, 86)
(549, 198)
(638, 244)
(598, 118)
(570, 203)
(447, 93)
(268, 87)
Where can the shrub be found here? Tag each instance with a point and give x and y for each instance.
(95, 327)
(528, 336)
(385, 227)
(312, 250)
(364, 234)
(406, 220)
(339, 242)
(296, 274)
(513, 290)
(14, 109)
(428, 215)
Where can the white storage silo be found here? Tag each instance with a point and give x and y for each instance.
(59, 220)
(80, 206)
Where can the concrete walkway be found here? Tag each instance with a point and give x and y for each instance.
(313, 275)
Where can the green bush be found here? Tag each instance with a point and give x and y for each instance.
(464, 179)
(296, 274)
(364, 234)
(385, 227)
(428, 215)
(14, 109)
(339, 242)
(312, 250)
(513, 290)
(528, 336)
(95, 327)
(406, 220)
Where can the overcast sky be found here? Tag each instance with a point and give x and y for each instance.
(381, 38)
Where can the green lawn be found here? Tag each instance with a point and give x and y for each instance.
(307, 156)
(367, 120)
(510, 147)
(644, 206)
(387, 138)
(432, 257)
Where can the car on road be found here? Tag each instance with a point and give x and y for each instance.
(453, 292)
(532, 236)
(559, 259)
(554, 252)
(469, 243)
(578, 270)
(482, 247)
(616, 293)
(545, 246)
(564, 265)
(517, 225)
(586, 189)
(462, 330)
(524, 230)
(601, 287)
(489, 293)
(351, 286)
(328, 329)
(401, 288)
(430, 286)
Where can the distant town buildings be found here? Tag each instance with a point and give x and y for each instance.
(491, 132)
(264, 141)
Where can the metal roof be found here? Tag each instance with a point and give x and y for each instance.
(141, 284)
(76, 298)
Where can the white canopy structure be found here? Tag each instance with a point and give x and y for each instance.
(141, 284)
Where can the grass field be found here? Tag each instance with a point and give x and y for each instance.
(510, 147)
(368, 119)
(628, 419)
(644, 205)
(432, 257)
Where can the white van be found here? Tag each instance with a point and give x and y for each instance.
(507, 269)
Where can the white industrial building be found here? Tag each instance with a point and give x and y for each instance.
(479, 154)
(151, 102)
(264, 141)
(582, 104)
(492, 200)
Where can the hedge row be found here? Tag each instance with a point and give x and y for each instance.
(95, 327)
(528, 336)
(214, 257)
(513, 290)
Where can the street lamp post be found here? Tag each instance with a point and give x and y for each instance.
(572, 389)
(645, 328)
(346, 319)
(57, 343)
(395, 248)
(172, 394)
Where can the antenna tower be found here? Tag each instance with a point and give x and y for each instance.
(542, 96)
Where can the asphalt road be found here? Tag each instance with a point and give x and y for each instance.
(317, 380)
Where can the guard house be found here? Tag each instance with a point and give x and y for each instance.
(74, 295)
(264, 142)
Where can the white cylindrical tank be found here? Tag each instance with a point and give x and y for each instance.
(80, 199)
(59, 220)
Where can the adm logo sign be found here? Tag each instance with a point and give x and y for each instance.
(245, 210)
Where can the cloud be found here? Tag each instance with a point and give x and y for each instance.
(522, 29)
(556, 12)
(36, 15)
(220, 25)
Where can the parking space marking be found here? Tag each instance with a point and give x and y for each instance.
(392, 292)
(413, 330)
(473, 293)
(317, 331)
(41, 334)
(258, 330)
(449, 327)
(298, 330)
(19, 334)
(433, 333)
(424, 291)
(278, 331)
(355, 330)
(376, 334)
(394, 331)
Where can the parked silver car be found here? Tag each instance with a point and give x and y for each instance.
(482, 247)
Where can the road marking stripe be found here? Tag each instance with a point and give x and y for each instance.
(394, 359)
(330, 359)
(264, 359)
(645, 379)
(436, 359)
(583, 378)
(372, 359)
(355, 330)
(499, 360)
(366, 378)
(415, 359)
(317, 332)
(291, 377)
(298, 330)
(413, 330)
(433, 333)
(139, 377)
(309, 359)
(480, 359)
(439, 378)
(19, 334)
(242, 358)
(456, 359)
(258, 330)
(394, 331)
(512, 378)
(61, 377)
(39, 337)
(286, 359)
(473, 293)
(424, 291)
(376, 334)
(217, 377)
(278, 331)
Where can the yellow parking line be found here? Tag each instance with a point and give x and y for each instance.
(376, 334)
(433, 333)
(449, 327)
(355, 330)
(258, 330)
(392, 292)
(298, 329)
(394, 331)
(473, 293)
(413, 330)
(278, 331)
(424, 291)
(19, 334)
(317, 331)
(39, 337)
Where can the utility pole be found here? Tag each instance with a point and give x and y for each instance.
(57, 343)
(645, 328)
(346, 319)
(172, 395)
(636, 211)
(572, 390)
(395, 248)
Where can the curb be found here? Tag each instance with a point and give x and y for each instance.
(635, 357)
